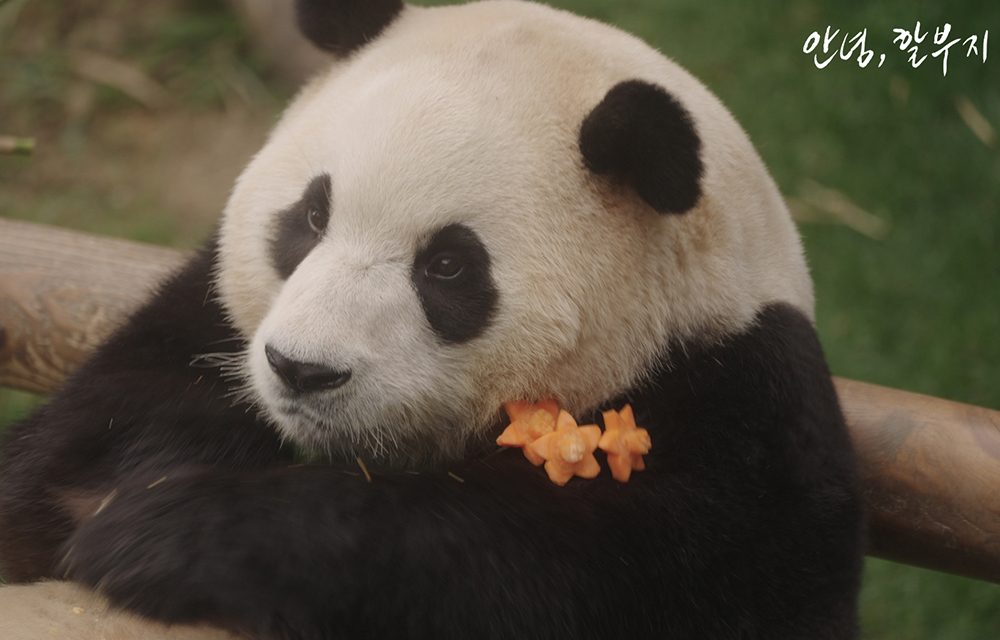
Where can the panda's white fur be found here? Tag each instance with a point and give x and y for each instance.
(471, 114)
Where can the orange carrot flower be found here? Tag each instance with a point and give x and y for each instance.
(569, 450)
(528, 422)
(624, 442)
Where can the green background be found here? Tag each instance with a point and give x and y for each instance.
(914, 304)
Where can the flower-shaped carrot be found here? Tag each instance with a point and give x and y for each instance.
(624, 443)
(528, 422)
(569, 451)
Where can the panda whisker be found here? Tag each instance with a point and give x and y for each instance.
(215, 359)
(391, 435)
(233, 370)
(225, 340)
(242, 396)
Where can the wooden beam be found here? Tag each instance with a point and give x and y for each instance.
(931, 468)
(66, 610)
(62, 292)
(931, 474)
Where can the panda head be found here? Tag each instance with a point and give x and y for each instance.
(482, 203)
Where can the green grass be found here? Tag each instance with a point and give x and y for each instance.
(917, 309)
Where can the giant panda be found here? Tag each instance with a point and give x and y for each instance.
(473, 204)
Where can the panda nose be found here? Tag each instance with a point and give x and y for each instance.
(304, 377)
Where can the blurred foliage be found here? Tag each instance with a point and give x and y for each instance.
(918, 308)
(108, 156)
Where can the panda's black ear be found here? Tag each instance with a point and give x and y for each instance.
(640, 134)
(341, 26)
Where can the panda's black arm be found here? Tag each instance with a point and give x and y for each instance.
(746, 523)
(313, 552)
(137, 406)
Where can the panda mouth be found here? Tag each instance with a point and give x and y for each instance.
(303, 416)
(318, 434)
(297, 411)
(387, 444)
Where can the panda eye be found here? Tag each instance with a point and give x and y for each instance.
(316, 220)
(445, 266)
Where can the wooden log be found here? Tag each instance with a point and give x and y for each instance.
(61, 293)
(53, 610)
(931, 468)
(931, 474)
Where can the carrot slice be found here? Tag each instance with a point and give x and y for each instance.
(569, 450)
(625, 443)
(528, 422)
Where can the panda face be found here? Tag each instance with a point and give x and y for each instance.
(420, 258)
(458, 215)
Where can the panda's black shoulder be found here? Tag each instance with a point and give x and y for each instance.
(181, 316)
(140, 401)
(753, 461)
(764, 391)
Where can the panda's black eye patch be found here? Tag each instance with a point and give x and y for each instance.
(299, 228)
(451, 275)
